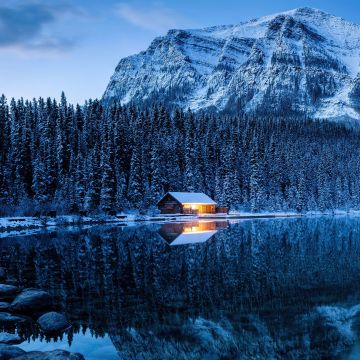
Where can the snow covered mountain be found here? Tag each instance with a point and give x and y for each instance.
(299, 61)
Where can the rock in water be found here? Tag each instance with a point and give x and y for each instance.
(8, 291)
(11, 282)
(4, 306)
(31, 300)
(53, 322)
(6, 318)
(10, 339)
(10, 352)
(50, 355)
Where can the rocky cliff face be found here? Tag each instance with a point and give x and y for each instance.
(303, 61)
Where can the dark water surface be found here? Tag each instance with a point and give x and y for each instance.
(259, 289)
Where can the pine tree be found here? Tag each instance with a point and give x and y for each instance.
(107, 192)
(256, 199)
(92, 196)
(135, 189)
(156, 162)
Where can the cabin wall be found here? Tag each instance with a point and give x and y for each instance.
(169, 205)
(207, 209)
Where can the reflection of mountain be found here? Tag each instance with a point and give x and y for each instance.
(190, 232)
(147, 296)
(197, 338)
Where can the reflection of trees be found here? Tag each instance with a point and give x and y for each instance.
(113, 280)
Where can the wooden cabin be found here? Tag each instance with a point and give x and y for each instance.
(186, 203)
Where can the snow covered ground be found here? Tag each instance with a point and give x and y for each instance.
(15, 226)
(28, 225)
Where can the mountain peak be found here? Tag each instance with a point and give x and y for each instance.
(301, 61)
(305, 12)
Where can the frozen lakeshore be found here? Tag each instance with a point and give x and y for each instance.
(23, 225)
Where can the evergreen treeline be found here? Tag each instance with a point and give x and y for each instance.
(70, 158)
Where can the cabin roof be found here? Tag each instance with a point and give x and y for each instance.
(191, 198)
(193, 238)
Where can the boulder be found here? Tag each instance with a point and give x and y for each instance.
(4, 305)
(53, 322)
(10, 352)
(10, 339)
(7, 318)
(2, 274)
(8, 291)
(50, 355)
(30, 301)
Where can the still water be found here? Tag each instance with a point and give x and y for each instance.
(257, 289)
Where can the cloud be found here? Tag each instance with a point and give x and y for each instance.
(157, 18)
(25, 27)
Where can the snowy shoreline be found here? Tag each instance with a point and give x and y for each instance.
(19, 224)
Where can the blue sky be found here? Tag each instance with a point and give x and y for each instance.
(47, 46)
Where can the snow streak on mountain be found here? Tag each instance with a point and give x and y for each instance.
(302, 61)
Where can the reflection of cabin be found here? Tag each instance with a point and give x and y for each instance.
(190, 232)
(186, 203)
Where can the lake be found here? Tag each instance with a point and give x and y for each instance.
(254, 289)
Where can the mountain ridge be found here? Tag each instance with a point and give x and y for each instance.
(301, 61)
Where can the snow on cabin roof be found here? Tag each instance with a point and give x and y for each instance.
(192, 198)
(193, 238)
